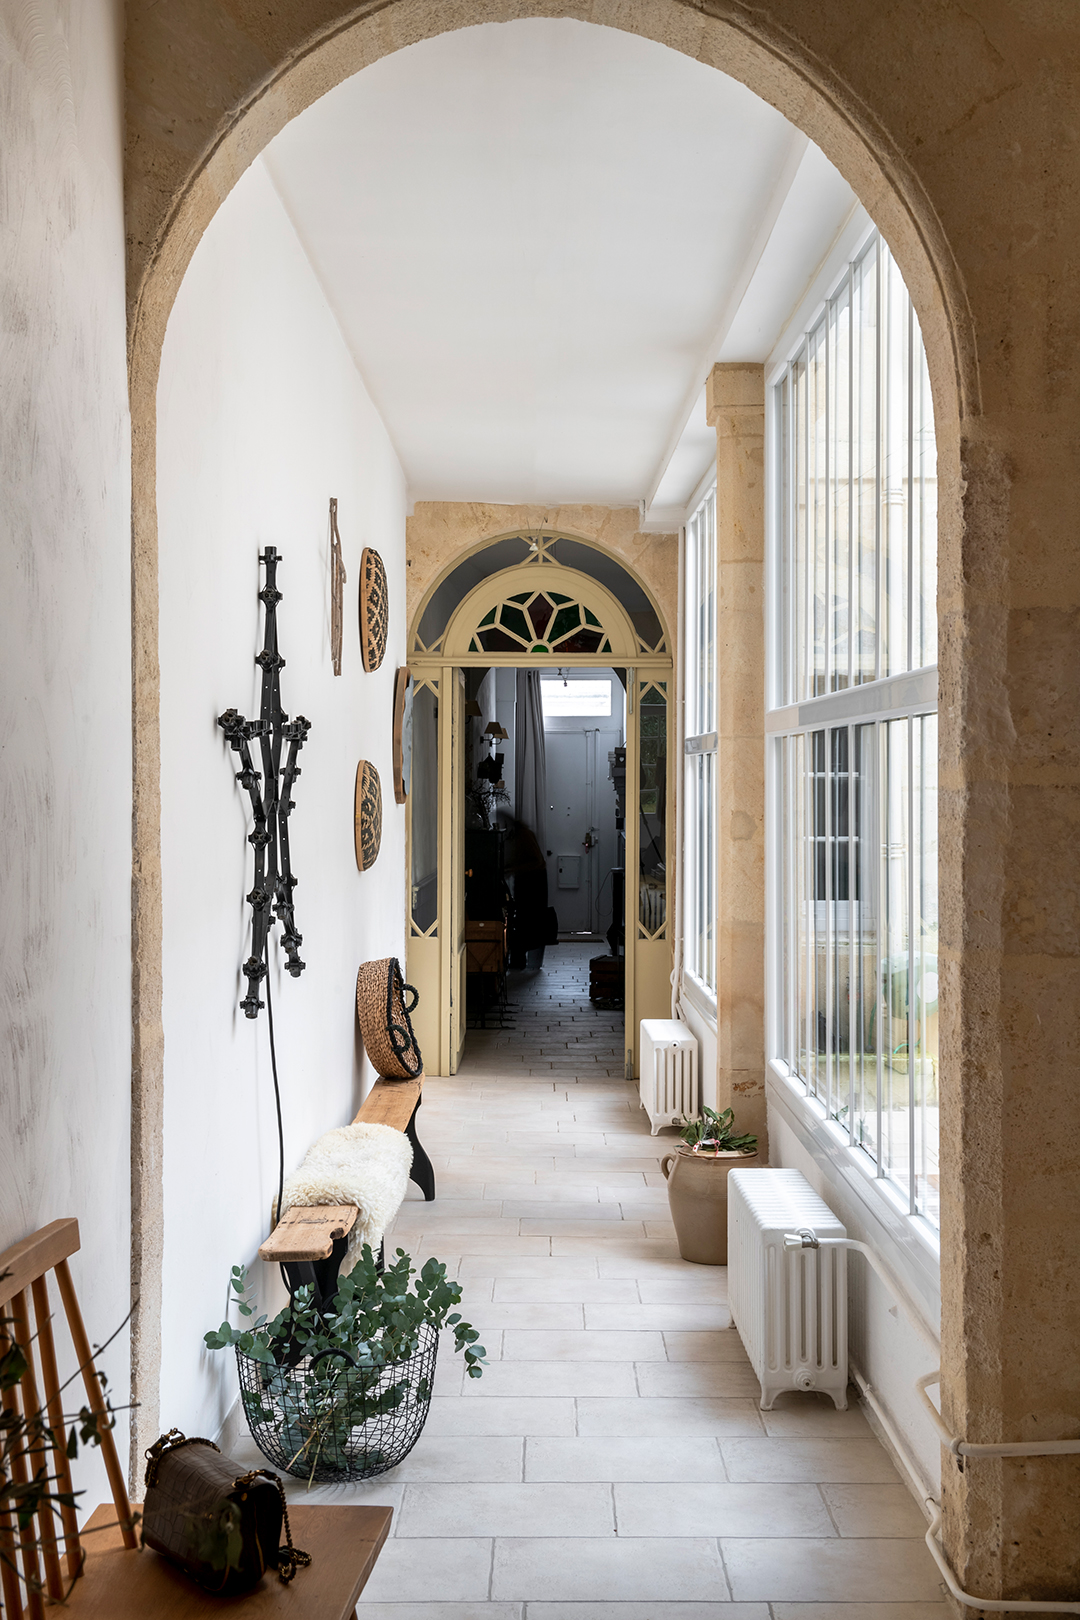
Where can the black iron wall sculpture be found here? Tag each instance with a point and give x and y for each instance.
(272, 805)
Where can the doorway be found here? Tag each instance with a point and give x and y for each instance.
(543, 799)
(563, 611)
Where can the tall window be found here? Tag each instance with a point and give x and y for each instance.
(700, 775)
(853, 723)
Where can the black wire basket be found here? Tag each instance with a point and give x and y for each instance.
(331, 1418)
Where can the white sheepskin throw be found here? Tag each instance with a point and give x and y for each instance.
(366, 1165)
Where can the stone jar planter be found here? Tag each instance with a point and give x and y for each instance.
(697, 1193)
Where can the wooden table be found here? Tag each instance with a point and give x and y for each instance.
(344, 1543)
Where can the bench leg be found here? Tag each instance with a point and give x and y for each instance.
(322, 1275)
(422, 1171)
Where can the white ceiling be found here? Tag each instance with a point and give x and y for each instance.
(537, 237)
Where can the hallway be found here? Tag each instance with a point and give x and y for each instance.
(612, 1463)
(552, 1028)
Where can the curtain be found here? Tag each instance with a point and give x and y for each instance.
(530, 755)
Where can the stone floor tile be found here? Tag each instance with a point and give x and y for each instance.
(659, 1318)
(525, 1317)
(453, 1570)
(609, 1569)
(695, 1378)
(806, 1416)
(641, 1460)
(608, 1379)
(723, 1346)
(862, 1462)
(549, 1346)
(833, 1571)
(874, 1510)
(501, 1415)
(482, 1610)
(556, 1510)
(570, 1207)
(649, 1415)
(706, 1283)
(648, 1611)
(529, 1264)
(463, 1459)
(861, 1611)
(566, 1290)
(690, 1508)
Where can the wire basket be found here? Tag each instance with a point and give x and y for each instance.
(330, 1421)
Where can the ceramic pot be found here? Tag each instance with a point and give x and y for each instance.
(697, 1193)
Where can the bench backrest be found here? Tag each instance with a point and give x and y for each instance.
(33, 1445)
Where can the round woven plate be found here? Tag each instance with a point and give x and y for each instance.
(374, 609)
(367, 815)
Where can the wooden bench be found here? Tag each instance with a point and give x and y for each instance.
(113, 1578)
(310, 1241)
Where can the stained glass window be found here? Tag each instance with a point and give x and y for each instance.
(540, 621)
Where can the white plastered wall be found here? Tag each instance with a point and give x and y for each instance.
(262, 417)
(65, 653)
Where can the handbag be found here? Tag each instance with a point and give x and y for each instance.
(221, 1526)
(385, 1025)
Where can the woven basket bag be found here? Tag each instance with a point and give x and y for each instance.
(383, 1010)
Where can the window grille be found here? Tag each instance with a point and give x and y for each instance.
(853, 747)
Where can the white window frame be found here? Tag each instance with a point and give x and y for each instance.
(908, 694)
(700, 754)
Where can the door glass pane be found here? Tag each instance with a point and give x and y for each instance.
(652, 878)
(424, 809)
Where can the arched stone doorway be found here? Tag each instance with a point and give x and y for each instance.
(831, 78)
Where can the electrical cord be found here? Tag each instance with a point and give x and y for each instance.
(277, 1106)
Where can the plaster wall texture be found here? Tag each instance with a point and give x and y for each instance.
(65, 662)
(954, 123)
(263, 417)
(440, 533)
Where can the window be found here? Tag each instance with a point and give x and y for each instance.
(853, 746)
(569, 698)
(700, 748)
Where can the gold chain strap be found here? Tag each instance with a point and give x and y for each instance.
(170, 1441)
(287, 1562)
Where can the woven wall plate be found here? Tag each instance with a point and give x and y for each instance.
(374, 609)
(403, 700)
(367, 815)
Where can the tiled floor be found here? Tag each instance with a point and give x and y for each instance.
(612, 1463)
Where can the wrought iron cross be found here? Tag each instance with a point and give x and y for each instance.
(271, 807)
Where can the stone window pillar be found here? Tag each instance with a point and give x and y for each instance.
(736, 408)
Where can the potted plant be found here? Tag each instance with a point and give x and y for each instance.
(344, 1393)
(696, 1174)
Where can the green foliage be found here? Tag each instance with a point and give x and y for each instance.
(715, 1133)
(29, 1445)
(326, 1371)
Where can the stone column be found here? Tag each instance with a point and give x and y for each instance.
(736, 408)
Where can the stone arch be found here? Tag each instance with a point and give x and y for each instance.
(208, 90)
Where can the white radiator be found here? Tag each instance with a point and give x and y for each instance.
(669, 1083)
(789, 1305)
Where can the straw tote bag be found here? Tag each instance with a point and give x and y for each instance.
(383, 1004)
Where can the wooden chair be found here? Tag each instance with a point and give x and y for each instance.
(310, 1240)
(113, 1578)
